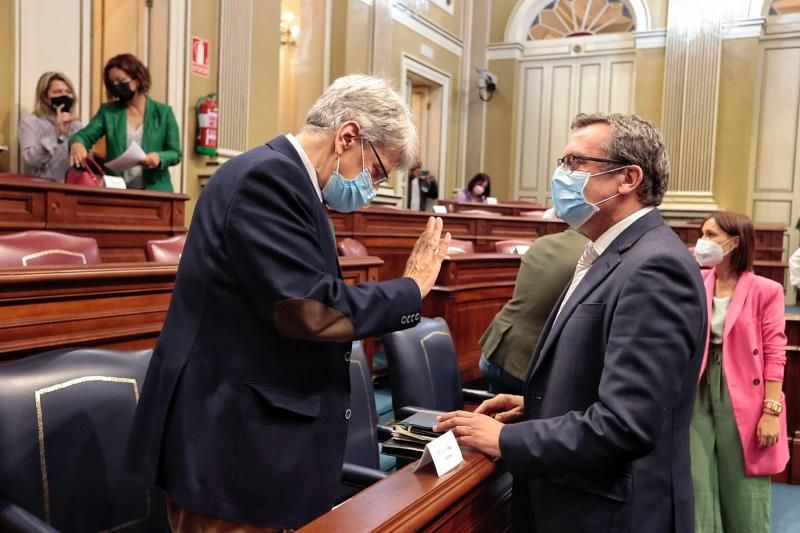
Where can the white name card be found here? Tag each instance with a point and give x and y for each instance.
(444, 452)
(441, 209)
(491, 200)
(114, 182)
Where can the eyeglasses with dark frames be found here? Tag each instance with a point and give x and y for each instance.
(571, 162)
(383, 168)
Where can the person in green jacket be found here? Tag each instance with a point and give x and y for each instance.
(131, 115)
(508, 342)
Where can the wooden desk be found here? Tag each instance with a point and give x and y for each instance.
(120, 306)
(391, 233)
(471, 289)
(513, 209)
(122, 221)
(476, 496)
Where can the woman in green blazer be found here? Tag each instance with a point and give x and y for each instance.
(130, 116)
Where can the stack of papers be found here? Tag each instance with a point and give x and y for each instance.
(129, 158)
(410, 436)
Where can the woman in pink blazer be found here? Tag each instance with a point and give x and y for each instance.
(738, 432)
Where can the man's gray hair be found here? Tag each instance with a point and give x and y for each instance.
(384, 118)
(634, 141)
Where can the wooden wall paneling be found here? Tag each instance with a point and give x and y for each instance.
(105, 305)
(121, 221)
(468, 311)
(791, 389)
(22, 209)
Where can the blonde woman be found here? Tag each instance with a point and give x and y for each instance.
(44, 135)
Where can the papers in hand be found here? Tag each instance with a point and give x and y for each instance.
(129, 158)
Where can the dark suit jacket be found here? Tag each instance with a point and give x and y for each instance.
(244, 411)
(609, 394)
(159, 134)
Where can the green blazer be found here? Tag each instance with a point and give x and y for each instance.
(546, 269)
(159, 134)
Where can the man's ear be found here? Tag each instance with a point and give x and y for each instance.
(633, 178)
(346, 135)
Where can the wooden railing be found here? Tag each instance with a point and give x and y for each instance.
(122, 221)
(119, 306)
(476, 496)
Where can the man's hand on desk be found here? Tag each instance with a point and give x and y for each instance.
(505, 408)
(473, 429)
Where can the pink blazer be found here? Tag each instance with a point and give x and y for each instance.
(753, 351)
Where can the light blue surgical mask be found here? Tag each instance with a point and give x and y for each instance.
(345, 195)
(569, 200)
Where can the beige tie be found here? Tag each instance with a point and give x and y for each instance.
(588, 257)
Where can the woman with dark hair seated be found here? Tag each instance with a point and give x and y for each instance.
(477, 190)
(131, 115)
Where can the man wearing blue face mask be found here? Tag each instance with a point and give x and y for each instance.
(599, 439)
(244, 412)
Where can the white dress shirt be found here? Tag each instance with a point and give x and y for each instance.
(312, 173)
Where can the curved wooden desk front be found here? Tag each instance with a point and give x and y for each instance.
(476, 496)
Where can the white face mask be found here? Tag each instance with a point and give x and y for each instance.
(709, 253)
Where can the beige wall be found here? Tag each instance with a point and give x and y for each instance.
(501, 11)
(450, 23)
(264, 83)
(406, 41)
(737, 100)
(357, 50)
(658, 13)
(649, 90)
(7, 97)
(204, 23)
(501, 126)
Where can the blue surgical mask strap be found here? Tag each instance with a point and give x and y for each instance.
(363, 164)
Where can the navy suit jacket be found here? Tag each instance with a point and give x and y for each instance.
(604, 445)
(244, 411)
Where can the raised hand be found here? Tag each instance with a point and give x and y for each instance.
(426, 259)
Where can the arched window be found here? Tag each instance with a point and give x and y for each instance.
(573, 18)
(782, 7)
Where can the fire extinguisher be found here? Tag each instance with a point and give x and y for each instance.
(207, 115)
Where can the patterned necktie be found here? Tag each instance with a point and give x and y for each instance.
(588, 257)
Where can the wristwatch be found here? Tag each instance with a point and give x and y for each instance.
(61, 138)
(773, 407)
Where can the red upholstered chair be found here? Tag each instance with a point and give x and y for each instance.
(348, 247)
(513, 246)
(165, 250)
(39, 248)
(461, 247)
